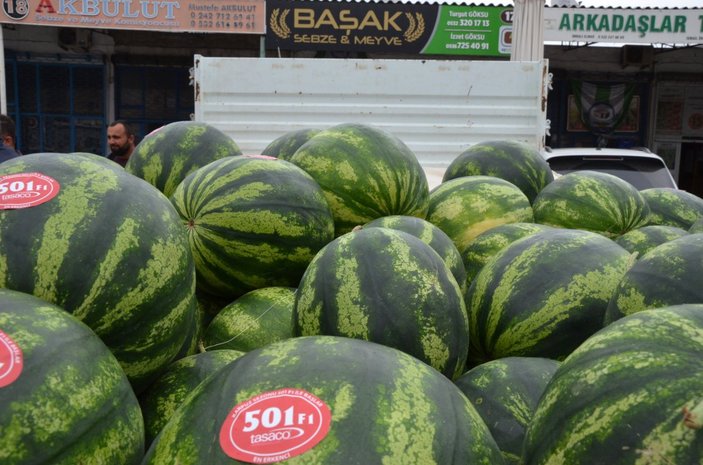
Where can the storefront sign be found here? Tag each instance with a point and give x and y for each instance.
(224, 16)
(623, 25)
(388, 27)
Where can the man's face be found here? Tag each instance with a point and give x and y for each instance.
(118, 140)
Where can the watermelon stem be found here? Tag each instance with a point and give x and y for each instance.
(693, 418)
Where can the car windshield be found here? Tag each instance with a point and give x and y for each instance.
(643, 173)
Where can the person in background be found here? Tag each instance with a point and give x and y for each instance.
(120, 138)
(8, 135)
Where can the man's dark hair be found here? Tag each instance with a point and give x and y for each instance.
(7, 127)
(127, 127)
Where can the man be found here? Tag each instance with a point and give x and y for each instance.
(121, 141)
(8, 135)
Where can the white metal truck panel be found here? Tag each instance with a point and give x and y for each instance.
(438, 108)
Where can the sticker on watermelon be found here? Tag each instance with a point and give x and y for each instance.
(24, 190)
(274, 426)
(11, 360)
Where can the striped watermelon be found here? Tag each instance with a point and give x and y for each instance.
(505, 393)
(492, 241)
(543, 295)
(64, 399)
(593, 201)
(165, 156)
(285, 146)
(257, 318)
(353, 401)
(465, 207)
(669, 274)
(430, 235)
(626, 395)
(696, 227)
(252, 222)
(673, 207)
(167, 393)
(389, 287)
(644, 239)
(110, 249)
(366, 173)
(516, 162)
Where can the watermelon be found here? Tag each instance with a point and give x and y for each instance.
(365, 173)
(108, 248)
(516, 162)
(673, 207)
(430, 235)
(252, 222)
(490, 242)
(165, 156)
(505, 393)
(645, 238)
(64, 398)
(696, 227)
(285, 146)
(389, 287)
(465, 207)
(625, 396)
(592, 201)
(176, 382)
(669, 274)
(257, 318)
(349, 402)
(543, 295)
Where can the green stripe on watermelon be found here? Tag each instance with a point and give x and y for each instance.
(252, 222)
(259, 317)
(669, 274)
(386, 407)
(543, 295)
(111, 250)
(71, 403)
(592, 201)
(673, 207)
(505, 393)
(366, 173)
(165, 156)
(172, 387)
(516, 162)
(465, 207)
(696, 227)
(430, 235)
(644, 239)
(621, 398)
(388, 287)
(285, 146)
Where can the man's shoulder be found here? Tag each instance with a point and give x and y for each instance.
(7, 153)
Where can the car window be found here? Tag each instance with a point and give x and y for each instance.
(643, 173)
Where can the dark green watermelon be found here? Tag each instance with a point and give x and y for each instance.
(165, 156)
(252, 222)
(64, 399)
(516, 162)
(626, 396)
(644, 239)
(505, 393)
(669, 274)
(285, 146)
(592, 201)
(365, 173)
(347, 401)
(430, 235)
(389, 287)
(543, 295)
(673, 207)
(257, 318)
(108, 248)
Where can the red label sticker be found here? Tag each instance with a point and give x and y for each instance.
(24, 190)
(11, 360)
(275, 426)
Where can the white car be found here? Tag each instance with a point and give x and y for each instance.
(640, 167)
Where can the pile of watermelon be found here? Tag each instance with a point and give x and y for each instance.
(319, 304)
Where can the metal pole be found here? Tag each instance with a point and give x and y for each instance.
(3, 90)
